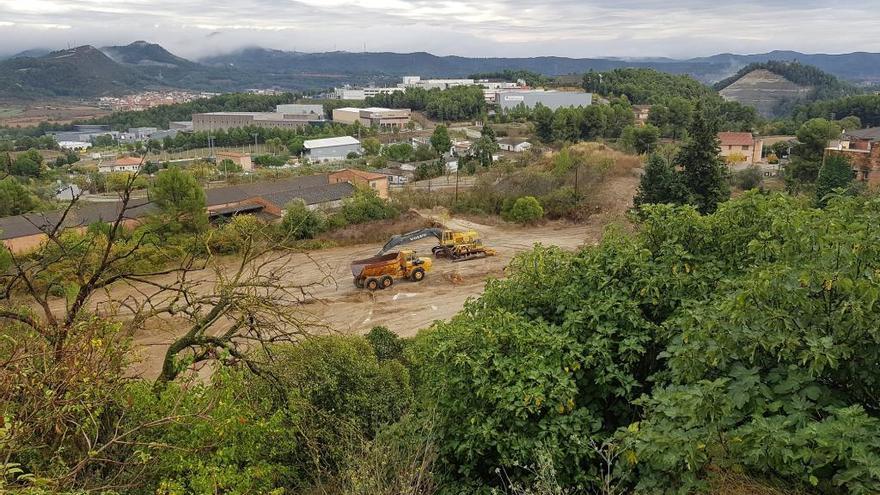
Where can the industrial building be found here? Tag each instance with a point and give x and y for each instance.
(508, 100)
(301, 109)
(373, 116)
(215, 121)
(361, 94)
(331, 149)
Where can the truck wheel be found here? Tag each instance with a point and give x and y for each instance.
(372, 284)
(359, 283)
(418, 275)
(386, 282)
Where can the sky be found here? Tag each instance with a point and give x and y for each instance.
(514, 28)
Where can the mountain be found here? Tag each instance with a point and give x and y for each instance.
(425, 64)
(774, 87)
(143, 54)
(79, 72)
(33, 53)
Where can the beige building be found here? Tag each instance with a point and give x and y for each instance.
(216, 121)
(243, 160)
(740, 148)
(124, 164)
(376, 182)
(373, 116)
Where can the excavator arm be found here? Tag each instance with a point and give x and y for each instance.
(413, 236)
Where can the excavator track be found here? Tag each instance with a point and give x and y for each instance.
(473, 255)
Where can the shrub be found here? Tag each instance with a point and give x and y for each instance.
(561, 203)
(524, 210)
(386, 344)
(300, 222)
(366, 205)
(749, 178)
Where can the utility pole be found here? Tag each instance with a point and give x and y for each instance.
(255, 135)
(456, 184)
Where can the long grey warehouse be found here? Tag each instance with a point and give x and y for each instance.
(550, 99)
(331, 149)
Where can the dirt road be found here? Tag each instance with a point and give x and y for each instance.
(406, 307)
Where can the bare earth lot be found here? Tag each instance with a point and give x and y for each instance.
(406, 307)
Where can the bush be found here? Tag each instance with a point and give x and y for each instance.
(749, 178)
(561, 203)
(524, 210)
(386, 344)
(365, 206)
(300, 222)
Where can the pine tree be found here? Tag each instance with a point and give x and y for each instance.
(836, 173)
(660, 184)
(704, 172)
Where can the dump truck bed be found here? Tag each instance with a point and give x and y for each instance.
(375, 266)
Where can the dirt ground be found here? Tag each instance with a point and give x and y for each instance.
(407, 307)
(14, 114)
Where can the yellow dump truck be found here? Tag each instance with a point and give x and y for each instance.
(380, 272)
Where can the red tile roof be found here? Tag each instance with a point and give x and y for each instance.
(736, 138)
(127, 160)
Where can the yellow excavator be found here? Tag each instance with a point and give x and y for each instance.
(457, 246)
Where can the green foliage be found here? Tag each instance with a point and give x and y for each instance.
(386, 344)
(704, 173)
(440, 140)
(453, 104)
(180, 199)
(270, 160)
(524, 210)
(813, 137)
(770, 375)
(645, 86)
(28, 164)
(835, 175)
(15, 199)
(399, 152)
(660, 184)
(748, 178)
(640, 140)
(865, 107)
(426, 171)
(365, 206)
(371, 146)
(300, 222)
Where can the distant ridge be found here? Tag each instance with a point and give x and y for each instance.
(87, 72)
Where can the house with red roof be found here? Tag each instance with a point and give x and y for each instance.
(740, 148)
(124, 164)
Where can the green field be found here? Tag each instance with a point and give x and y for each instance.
(6, 112)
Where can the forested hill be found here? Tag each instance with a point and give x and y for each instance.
(824, 85)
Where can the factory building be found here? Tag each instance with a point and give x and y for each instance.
(373, 116)
(361, 94)
(508, 100)
(331, 149)
(301, 109)
(214, 121)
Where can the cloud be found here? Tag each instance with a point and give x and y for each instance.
(577, 28)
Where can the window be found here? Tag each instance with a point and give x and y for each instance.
(746, 147)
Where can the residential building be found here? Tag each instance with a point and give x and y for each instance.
(509, 99)
(214, 121)
(124, 164)
(740, 148)
(862, 149)
(331, 149)
(243, 160)
(515, 145)
(375, 181)
(396, 176)
(74, 145)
